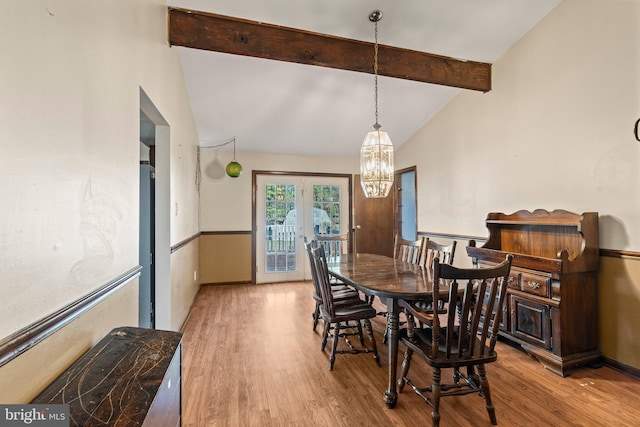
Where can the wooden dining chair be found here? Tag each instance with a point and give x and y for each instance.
(341, 293)
(408, 250)
(433, 250)
(445, 254)
(463, 340)
(335, 315)
(334, 244)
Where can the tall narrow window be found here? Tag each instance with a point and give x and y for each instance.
(406, 204)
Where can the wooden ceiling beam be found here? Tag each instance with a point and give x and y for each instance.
(208, 31)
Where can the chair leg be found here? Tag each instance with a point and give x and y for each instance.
(316, 316)
(435, 396)
(374, 347)
(484, 386)
(334, 345)
(325, 335)
(406, 364)
(359, 326)
(457, 375)
(471, 374)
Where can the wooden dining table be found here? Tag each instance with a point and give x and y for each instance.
(390, 280)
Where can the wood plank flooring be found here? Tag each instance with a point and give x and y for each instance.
(250, 358)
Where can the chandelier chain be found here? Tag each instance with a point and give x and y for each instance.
(375, 69)
(376, 153)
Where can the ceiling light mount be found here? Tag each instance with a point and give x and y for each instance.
(375, 15)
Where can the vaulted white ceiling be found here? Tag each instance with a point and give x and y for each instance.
(280, 107)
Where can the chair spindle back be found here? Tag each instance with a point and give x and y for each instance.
(444, 253)
(334, 245)
(408, 250)
(321, 267)
(479, 296)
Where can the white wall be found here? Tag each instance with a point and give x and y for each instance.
(225, 203)
(69, 137)
(554, 132)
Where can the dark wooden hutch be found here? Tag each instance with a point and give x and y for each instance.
(552, 302)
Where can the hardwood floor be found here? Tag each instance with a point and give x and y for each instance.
(250, 358)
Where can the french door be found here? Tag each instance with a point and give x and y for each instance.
(288, 208)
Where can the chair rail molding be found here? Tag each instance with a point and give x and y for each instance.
(24, 339)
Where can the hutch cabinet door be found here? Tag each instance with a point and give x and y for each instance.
(531, 321)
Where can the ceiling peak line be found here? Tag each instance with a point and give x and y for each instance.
(219, 33)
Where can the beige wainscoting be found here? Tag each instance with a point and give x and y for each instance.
(24, 377)
(225, 257)
(619, 287)
(28, 373)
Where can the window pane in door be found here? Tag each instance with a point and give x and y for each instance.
(326, 209)
(280, 233)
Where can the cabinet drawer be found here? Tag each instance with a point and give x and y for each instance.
(514, 280)
(531, 321)
(535, 284)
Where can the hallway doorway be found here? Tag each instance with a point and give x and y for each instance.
(154, 227)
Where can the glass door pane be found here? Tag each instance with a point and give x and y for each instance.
(279, 229)
(280, 233)
(326, 209)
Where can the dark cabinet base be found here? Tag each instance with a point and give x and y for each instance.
(132, 377)
(557, 364)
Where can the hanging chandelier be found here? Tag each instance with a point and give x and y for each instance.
(376, 153)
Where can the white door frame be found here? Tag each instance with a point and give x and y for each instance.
(162, 263)
(304, 228)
